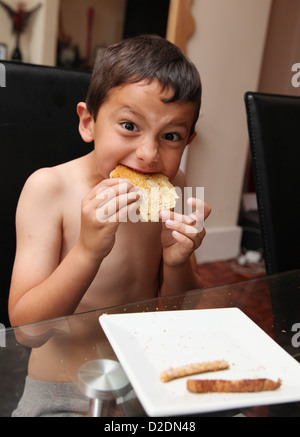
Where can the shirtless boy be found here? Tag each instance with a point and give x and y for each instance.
(141, 111)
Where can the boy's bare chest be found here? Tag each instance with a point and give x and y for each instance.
(130, 271)
(132, 239)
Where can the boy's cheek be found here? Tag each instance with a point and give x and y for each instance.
(172, 168)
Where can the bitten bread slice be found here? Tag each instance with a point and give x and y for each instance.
(158, 192)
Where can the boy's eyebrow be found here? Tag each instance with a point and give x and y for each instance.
(133, 112)
(176, 123)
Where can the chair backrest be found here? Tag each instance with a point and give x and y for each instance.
(274, 132)
(38, 128)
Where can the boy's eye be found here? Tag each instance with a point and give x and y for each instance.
(129, 126)
(171, 136)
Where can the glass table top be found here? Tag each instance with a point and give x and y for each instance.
(52, 368)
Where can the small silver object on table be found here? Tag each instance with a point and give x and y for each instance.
(103, 382)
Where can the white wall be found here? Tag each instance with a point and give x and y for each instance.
(282, 49)
(227, 47)
(107, 26)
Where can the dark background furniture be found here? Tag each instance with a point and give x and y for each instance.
(147, 16)
(274, 132)
(38, 128)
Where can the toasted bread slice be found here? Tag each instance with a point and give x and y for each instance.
(158, 192)
(237, 386)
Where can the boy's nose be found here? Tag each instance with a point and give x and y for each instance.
(148, 152)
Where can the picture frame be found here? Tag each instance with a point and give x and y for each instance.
(3, 52)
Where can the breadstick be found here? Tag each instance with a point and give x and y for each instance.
(193, 369)
(234, 386)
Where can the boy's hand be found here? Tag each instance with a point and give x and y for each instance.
(181, 234)
(108, 204)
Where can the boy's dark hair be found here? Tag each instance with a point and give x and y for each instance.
(145, 57)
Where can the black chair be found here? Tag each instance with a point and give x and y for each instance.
(274, 132)
(38, 128)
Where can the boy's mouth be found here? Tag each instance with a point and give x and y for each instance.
(144, 171)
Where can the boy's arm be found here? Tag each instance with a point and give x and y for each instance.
(43, 286)
(181, 236)
(176, 280)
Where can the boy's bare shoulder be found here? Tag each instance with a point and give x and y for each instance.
(55, 178)
(48, 184)
(47, 180)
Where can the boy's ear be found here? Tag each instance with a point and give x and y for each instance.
(191, 138)
(86, 123)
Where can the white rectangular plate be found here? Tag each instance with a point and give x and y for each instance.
(146, 344)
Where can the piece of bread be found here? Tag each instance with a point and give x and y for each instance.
(193, 369)
(233, 386)
(157, 191)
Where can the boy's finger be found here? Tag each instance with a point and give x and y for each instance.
(109, 210)
(190, 241)
(181, 227)
(108, 193)
(128, 213)
(171, 215)
(203, 209)
(107, 184)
